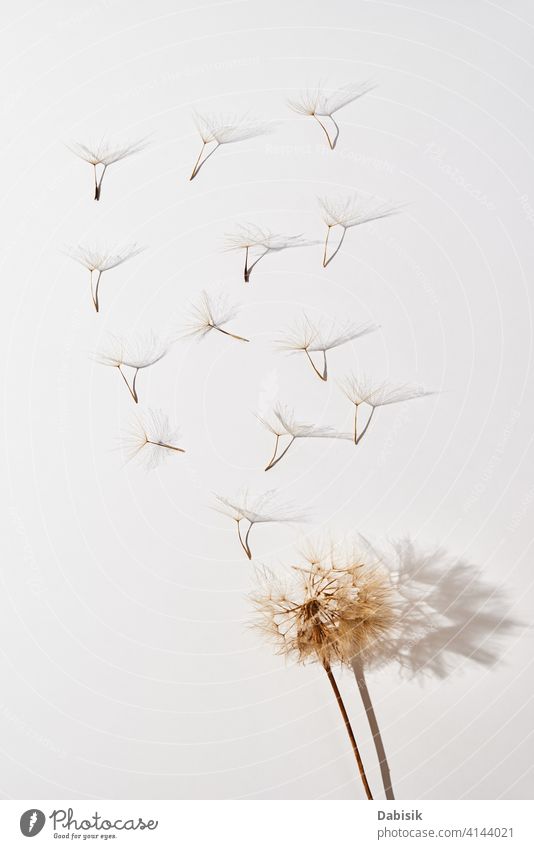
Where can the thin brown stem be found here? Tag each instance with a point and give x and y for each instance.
(94, 294)
(324, 374)
(346, 720)
(364, 431)
(244, 543)
(256, 261)
(356, 424)
(98, 183)
(199, 163)
(166, 445)
(331, 143)
(286, 449)
(329, 227)
(227, 333)
(246, 270)
(275, 450)
(131, 389)
(337, 131)
(336, 251)
(375, 729)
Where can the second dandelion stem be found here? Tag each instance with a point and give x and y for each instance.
(344, 714)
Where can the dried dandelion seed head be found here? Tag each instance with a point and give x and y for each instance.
(151, 439)
(227, 129)
(334, 610)
(283, 418)
(258, 243)
(324, 102)
(363, 390)
(101, 155)
(211, 313)
(102, 259)
(258, 509)
(350, 212)
(138, 352)
(104, 153)
(320, 336)
(251, 236)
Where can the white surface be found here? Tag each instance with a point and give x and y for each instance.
(128, 667)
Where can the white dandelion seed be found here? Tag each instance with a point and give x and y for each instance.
(284, 426)
(103, 154)
(319, 337)
(256, 510)
(218, 130)
(320, 103)
(136, 353)
(212, 314)
(100, 260)
(362, 390)
(257, 243)
(151, 439)
(350, 212)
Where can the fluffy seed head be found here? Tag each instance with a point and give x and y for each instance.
(322, 102)
(104, 153)
(352, 211)
(335, 608)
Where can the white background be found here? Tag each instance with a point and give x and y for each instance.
(128, 668)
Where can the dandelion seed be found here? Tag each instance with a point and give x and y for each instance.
(102, 155)
(217, 130)
(137, 354)
(257, 243)
(256, 510)
(361, 390)
(100, 260)
(336, 606)
(316, 337)
(323, 104)
(349, 213)
(212, 314)
(151, 439)
(283, 426)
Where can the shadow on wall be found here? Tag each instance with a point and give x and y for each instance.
(446, 611)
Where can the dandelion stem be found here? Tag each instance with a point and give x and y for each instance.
(286, 449)
(166, 445)
(131, 389)
(375, 729)
(331, 142)
(324, 374)
(275, 450)
(256, 261)
(134, 390)
(344, 714)
(329, 227)
(244, 543)
(246, 271)
(227, 333)
(356, 424)
(195, 169)
(98, 183)
(199, 163)
(94, 294)
(362, 434)
(334, 253)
